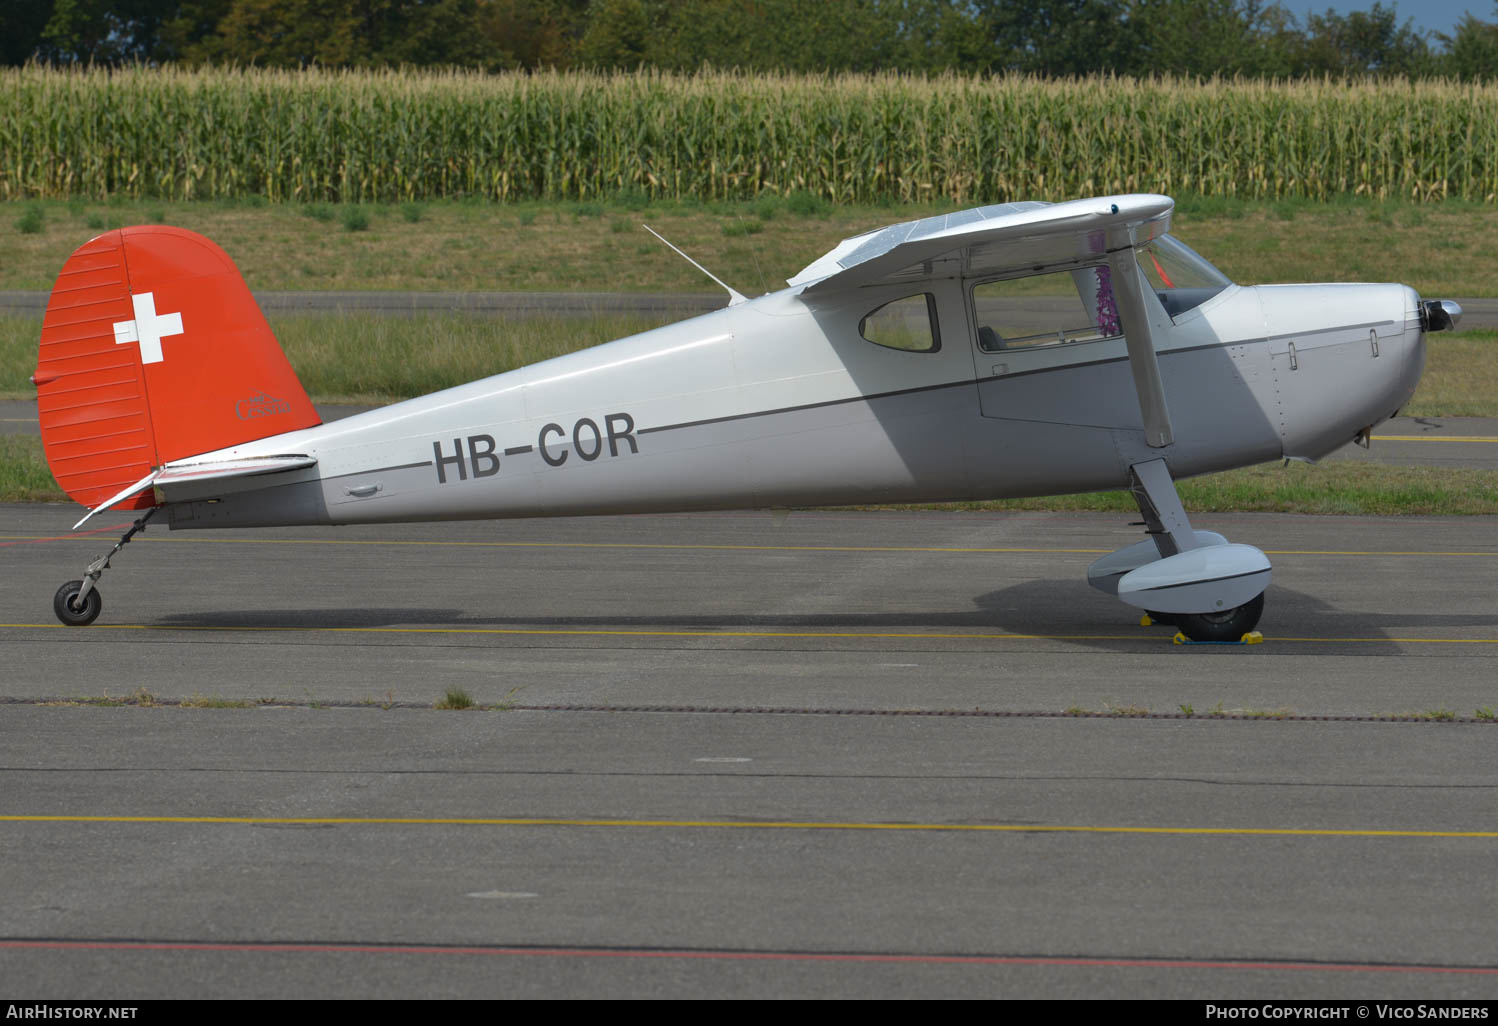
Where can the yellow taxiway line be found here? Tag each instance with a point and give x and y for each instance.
(719, 824)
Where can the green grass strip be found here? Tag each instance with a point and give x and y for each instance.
(24, 476)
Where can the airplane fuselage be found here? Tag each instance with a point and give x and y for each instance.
(779, 402)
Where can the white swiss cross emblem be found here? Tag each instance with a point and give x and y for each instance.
(148, 329)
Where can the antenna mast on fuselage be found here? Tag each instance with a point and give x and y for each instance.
(735, 297)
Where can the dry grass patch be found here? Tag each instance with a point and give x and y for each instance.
(1461, 377)
(1440, 249)
(460, 247)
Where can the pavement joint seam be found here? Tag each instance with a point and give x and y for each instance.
(747, 954)
(752, 824)
(727, 710)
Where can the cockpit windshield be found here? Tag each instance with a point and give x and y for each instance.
(1181, 277)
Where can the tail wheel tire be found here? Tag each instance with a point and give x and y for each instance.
(72, 613)
(1229, 625)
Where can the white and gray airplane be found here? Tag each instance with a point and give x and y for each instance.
(1010, 350)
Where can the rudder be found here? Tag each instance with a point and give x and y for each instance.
(153, 350)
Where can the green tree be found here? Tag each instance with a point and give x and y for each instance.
(533, 33)
(1473, 51)
(619, 33)
(288, 33)
(21, 25)
(348, 33)
(433, 32)
(1060, 37)
(186, 26)
(1203, 38)
(781, 35)
(763, 35)
(1367, 42)
(102, 31)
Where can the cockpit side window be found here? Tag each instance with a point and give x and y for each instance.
(1058, 308)
(908, 324)
(1180, 276)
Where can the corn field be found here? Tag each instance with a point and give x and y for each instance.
(384, 136)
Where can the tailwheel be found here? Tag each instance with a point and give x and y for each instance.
(71, 611)
(1229, 625)
(77, 603)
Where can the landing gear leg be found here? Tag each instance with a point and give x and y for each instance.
(1196, 581)
(77, 603)
(1165, 519)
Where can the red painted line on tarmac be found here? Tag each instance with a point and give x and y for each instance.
(740, 956)
(65, 537)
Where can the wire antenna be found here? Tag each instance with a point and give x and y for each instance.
(734, 296)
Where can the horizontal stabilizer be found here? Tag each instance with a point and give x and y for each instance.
(180, 473)
(174, 473)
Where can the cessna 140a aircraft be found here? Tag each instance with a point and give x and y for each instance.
(1009, 350)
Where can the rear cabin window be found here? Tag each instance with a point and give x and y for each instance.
(908, 324)
(1060, 308)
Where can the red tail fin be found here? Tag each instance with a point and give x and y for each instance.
(153, 349)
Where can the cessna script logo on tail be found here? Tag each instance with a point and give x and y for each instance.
(260, 405)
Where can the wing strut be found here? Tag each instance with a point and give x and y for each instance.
(1146, 368)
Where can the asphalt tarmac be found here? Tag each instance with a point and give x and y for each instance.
(834, 754)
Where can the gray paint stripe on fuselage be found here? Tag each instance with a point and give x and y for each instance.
(1328, 331)
(805, 406)
(380, 470)
(929, 388)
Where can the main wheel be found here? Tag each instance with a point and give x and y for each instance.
(1229, 625)
(72, 614)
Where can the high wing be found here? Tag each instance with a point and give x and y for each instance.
(989, 240)
(1007, 237)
